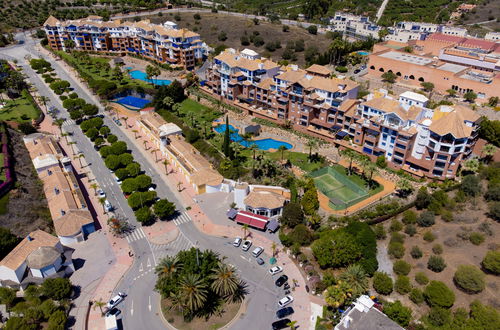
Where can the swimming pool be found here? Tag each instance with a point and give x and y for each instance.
(132, 101)
(263, 144)
(362, 52)
(138, 74)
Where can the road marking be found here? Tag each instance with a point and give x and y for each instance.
(149, 263)
(132, 308)
(149, 306)
(140, 268)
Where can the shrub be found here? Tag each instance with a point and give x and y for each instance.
(439, 316)
(423, 198)
(436, 264)
(397, 238)
(491, 262)
(421, 278)
(426, 219)
(144, 215)
(56, 288)
(471, 185)
(437, 249)
(381, 162)
(401, 267)
(416, 253)
(312, 29)
(476, 238)
(398, 313)
(380, 232)
(396, 250)
(409, 217)
(447, 216)
(437, 294)
(382, 283)
(301, 235)
(429, 236)
(417, 296)
(341, 69)
(494, 210)
(402, 284)
(469, 278)
(395, 226)
(410, 230)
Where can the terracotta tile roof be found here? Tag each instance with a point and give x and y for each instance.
(264, 199)
(71, 224)
(292, 76)
(266, 83)
(445, 38)
(42, 257)
(237, 61)
(59, 191)
(39, 144)
(348, 105)
(319, 69)
(413, 112)
(451, 122)
(384, 104)
(19, 254)
(51, 21)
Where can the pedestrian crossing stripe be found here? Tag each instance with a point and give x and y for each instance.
(68, 122)
(182, 218)
(135, 235)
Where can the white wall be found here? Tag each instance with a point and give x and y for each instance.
(13, 275)
(69, 240)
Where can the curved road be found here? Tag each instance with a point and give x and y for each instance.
(140, 309)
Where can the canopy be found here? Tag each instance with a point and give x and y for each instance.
(341, 134)
(231, 213)
(253, 220)
(273, 225)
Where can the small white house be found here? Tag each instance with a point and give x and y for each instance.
(262, 200)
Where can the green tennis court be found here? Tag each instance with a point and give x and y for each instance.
(341, 191)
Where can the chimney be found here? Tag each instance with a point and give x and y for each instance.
(29, 238)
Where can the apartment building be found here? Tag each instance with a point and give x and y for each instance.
(492, 36)
(68, 208)
(354, 26)
(422, 141)
(165, 43)
(307, 99)
(449, 62)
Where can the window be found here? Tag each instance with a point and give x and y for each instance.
(440, 164)
(442, 157)
(445, 149)
(400, 146)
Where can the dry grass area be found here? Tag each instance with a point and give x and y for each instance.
(215, 322)
(456, 251)
(212, 24)
(488, 10)
(27, 207)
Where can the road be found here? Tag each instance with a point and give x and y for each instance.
(140, 308)
(381, 9)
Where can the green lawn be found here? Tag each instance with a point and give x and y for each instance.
(4, 202)
(298, 159)
(20, 110)
(202, 115)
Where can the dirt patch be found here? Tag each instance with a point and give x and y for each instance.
(211, 25)
(214, 322)
(26, 207)
(457, 250)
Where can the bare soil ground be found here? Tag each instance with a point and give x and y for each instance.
(27, 207)
(456, 251)
(212, 24)
(488, 10)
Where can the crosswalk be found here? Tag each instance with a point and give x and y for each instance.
(135, 235)
(172, 248)
(182, 218)
(68, 122)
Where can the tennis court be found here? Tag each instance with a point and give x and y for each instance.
(341, 191)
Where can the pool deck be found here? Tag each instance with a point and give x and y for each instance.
(389, 188)
(137, 64)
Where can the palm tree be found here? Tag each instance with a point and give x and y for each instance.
(357, 279)
(99, 303)
(135, 133)
(311, 144)
(168, 102)
(69, 44)
(194, 291)
(145, 144)
(489, 151)
(372, 170)
(94, 186)
(125, 120)
(273, 248)
(165, 162)
(282, 149)
(404, 186)
(177, 302)
(177, 108)
(168, 266)
(351, 155)
(43, 99)
(471, 165)
(225, 280)
(292, 324)
(149, 73)
(59, 122)
(155, 151)
(101, 201)
(245, 230)
(179, 185)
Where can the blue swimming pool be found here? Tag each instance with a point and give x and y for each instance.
(138, 74)
(132, 101)
(362, 52)
(263, 144)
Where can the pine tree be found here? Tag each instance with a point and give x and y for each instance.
(227, 141)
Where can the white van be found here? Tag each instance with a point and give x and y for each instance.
(257, 251)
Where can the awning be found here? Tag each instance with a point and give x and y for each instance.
(273, 225)
(253, 220)
(231, 214)
(336, 127)
(341, 134)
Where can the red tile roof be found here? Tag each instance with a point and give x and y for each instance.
(445, 37)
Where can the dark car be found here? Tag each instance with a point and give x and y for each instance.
(113, 312)
(281, 324)
(357, 71)
(281, 280)
(260, 261)
(284, 312)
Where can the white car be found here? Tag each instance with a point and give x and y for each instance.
(101, 193)
(115, 301)
(285, 301)
(237, 242)
(257, 251)
(107, 206)
(246, 245)
(275, 270)
(118, 180)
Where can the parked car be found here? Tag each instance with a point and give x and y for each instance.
(285, 301)
(260, 261)
(257, 251)
(114, 311)
(281, 280)
(116, 300)
(357, 71)
(246, 245)
(101, 193)
(275, 270)
(284, 312)
(281, 324)
(237, 242)
(118, 180)
(107, 206)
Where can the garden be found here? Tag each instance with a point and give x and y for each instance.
(199, 290)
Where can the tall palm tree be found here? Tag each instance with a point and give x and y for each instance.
(489, 151)
(101, 201)
(357, 279)
(94, 186)
(225, 280)
(282, 149)
(311, 144)
(168, 266)
(99, 303)
(273, 248)
(165, 162)
(245, 230)
(43, 99)
(471, 165)
(168, 102)
(125, 118)
(177, 108)
(292, 324)
(351, 156)
(135, 133)
(59, 122)
(372, 170)
(194, 291)
(177, 302)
